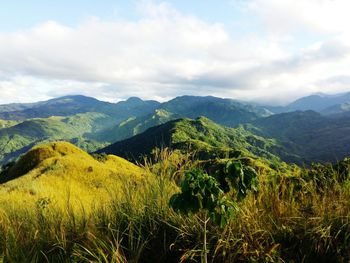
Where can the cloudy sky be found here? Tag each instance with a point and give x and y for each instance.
(261, 50)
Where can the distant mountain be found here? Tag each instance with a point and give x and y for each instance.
(70, 105)
(309, 135)
(228, 126)
(337, 109)
(323, 103)
(298, 137)
(17, 106)
(135, 125)
(90, 123)
(226, 112)
(206, 138)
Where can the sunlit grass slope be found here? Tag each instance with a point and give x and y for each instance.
(59, 173)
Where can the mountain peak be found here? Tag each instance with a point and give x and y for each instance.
(134, 100)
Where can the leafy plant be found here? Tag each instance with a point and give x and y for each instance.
(241, 178)
(202, 193)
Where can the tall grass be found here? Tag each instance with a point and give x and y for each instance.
(295, 217)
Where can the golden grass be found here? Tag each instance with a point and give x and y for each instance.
(60, 171)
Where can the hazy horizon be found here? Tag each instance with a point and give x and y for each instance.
(261, 103)
(266, 51)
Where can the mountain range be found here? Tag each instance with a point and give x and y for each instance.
(313, 128)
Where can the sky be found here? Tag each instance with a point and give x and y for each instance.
(268, 51)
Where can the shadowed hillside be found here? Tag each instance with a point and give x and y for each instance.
(309, 135)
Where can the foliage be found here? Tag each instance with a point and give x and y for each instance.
(201, 192)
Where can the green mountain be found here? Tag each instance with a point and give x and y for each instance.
(297, 137)
(70, 105)
(226, 112)
(90, 123)
(135, 125)
(19, 138)
(206, 138)
(309, 135)
(16, 106)
(300, 137)
(73, 118)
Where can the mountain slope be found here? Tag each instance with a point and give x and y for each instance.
(19, 138)
(135, 125)
(310, 135)
(337, 109)
(223, 111)
(206, 138)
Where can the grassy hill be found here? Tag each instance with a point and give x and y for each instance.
(59, 170)
(203, 136)
(59, 204)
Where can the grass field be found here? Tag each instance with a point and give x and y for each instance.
(66, 206)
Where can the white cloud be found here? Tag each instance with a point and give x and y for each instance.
(321, 16)
(166, 53)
